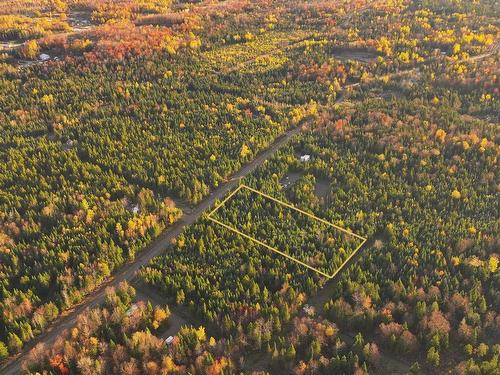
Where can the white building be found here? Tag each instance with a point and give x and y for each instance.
(305, 158)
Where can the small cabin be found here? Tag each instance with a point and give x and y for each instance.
(169, 340)
(305, 158)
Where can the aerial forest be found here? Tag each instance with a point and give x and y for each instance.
(120, 120)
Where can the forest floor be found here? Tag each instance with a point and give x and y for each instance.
(361, 55)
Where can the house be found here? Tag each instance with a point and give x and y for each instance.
(305, 158)
(169, 340)
(44, 57)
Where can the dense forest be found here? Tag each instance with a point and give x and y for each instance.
(119, 338)
(310, 240)
(431, 276)
(116, 117)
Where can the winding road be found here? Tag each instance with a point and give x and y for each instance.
(129, 270)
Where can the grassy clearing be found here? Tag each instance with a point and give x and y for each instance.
(231, 56)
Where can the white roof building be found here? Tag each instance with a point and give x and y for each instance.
(305, 158)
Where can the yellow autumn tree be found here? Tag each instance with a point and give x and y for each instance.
(404, 57)
(441, 135)
(493, 264)
(29, 50)
(161, 315)
(244, 151)
(200, 333)
(329, 331)
(168, 365)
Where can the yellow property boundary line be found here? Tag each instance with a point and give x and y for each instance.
(242, 186)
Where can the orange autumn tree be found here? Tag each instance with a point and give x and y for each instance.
(57, 362)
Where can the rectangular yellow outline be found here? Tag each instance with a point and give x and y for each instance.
(241, 186)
